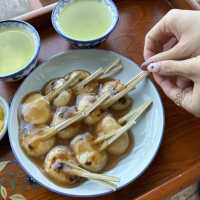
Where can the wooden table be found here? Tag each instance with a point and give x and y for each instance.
(177, 163)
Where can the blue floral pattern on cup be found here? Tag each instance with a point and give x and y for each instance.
(84, 44)
(25, 70)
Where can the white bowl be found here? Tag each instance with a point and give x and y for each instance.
(27, 68)
(84, 43)
(147, 133)
(5, 107)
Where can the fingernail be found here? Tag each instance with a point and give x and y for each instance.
(145, 64)
(153, 67)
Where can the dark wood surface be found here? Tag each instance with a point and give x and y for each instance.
(177, 163)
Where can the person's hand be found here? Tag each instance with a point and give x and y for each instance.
(181, 28)
(166, 73)
(180, 80)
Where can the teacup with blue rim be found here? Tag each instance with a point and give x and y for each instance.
(85, 23)
(19, 49)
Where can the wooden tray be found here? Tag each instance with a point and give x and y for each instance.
(39, 8)
(42, 7)
(177, 164)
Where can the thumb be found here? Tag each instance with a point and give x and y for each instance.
(187, 68)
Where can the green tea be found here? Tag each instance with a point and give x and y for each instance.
(16, 50)
(85, 19)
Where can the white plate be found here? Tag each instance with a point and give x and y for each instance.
(147, 133)
(4, 105)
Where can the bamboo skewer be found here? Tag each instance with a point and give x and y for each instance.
(129, 87)
(135, 112)
(68, 83)
(111, 73)
(102, 71)
(138, 78)
(131, 119)
(114, 68)
(83, 113)
(112, 134)
(104, 179)
(108, 141)
(97, 176)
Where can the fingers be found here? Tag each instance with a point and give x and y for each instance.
(188, 97)
(170, 26)
(156, 38)
(194, 104)
(172, 91)
(187, 68)
(171, 43)
(183, 83)
(177, 52)
(167, 86)
(161, 34)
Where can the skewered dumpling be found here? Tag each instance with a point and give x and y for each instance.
(87, 154)
(58, 82)
(36, 148)
(109, 125)
(88, 88)
(36, 109)
(56, 169)
(82, 88)
(85, 101)
(53, 85)
(83, 74)
(123, 103)
(64, 98)
(61, 115)
(117, 85)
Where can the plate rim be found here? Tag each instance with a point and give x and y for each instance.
(78, 195)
